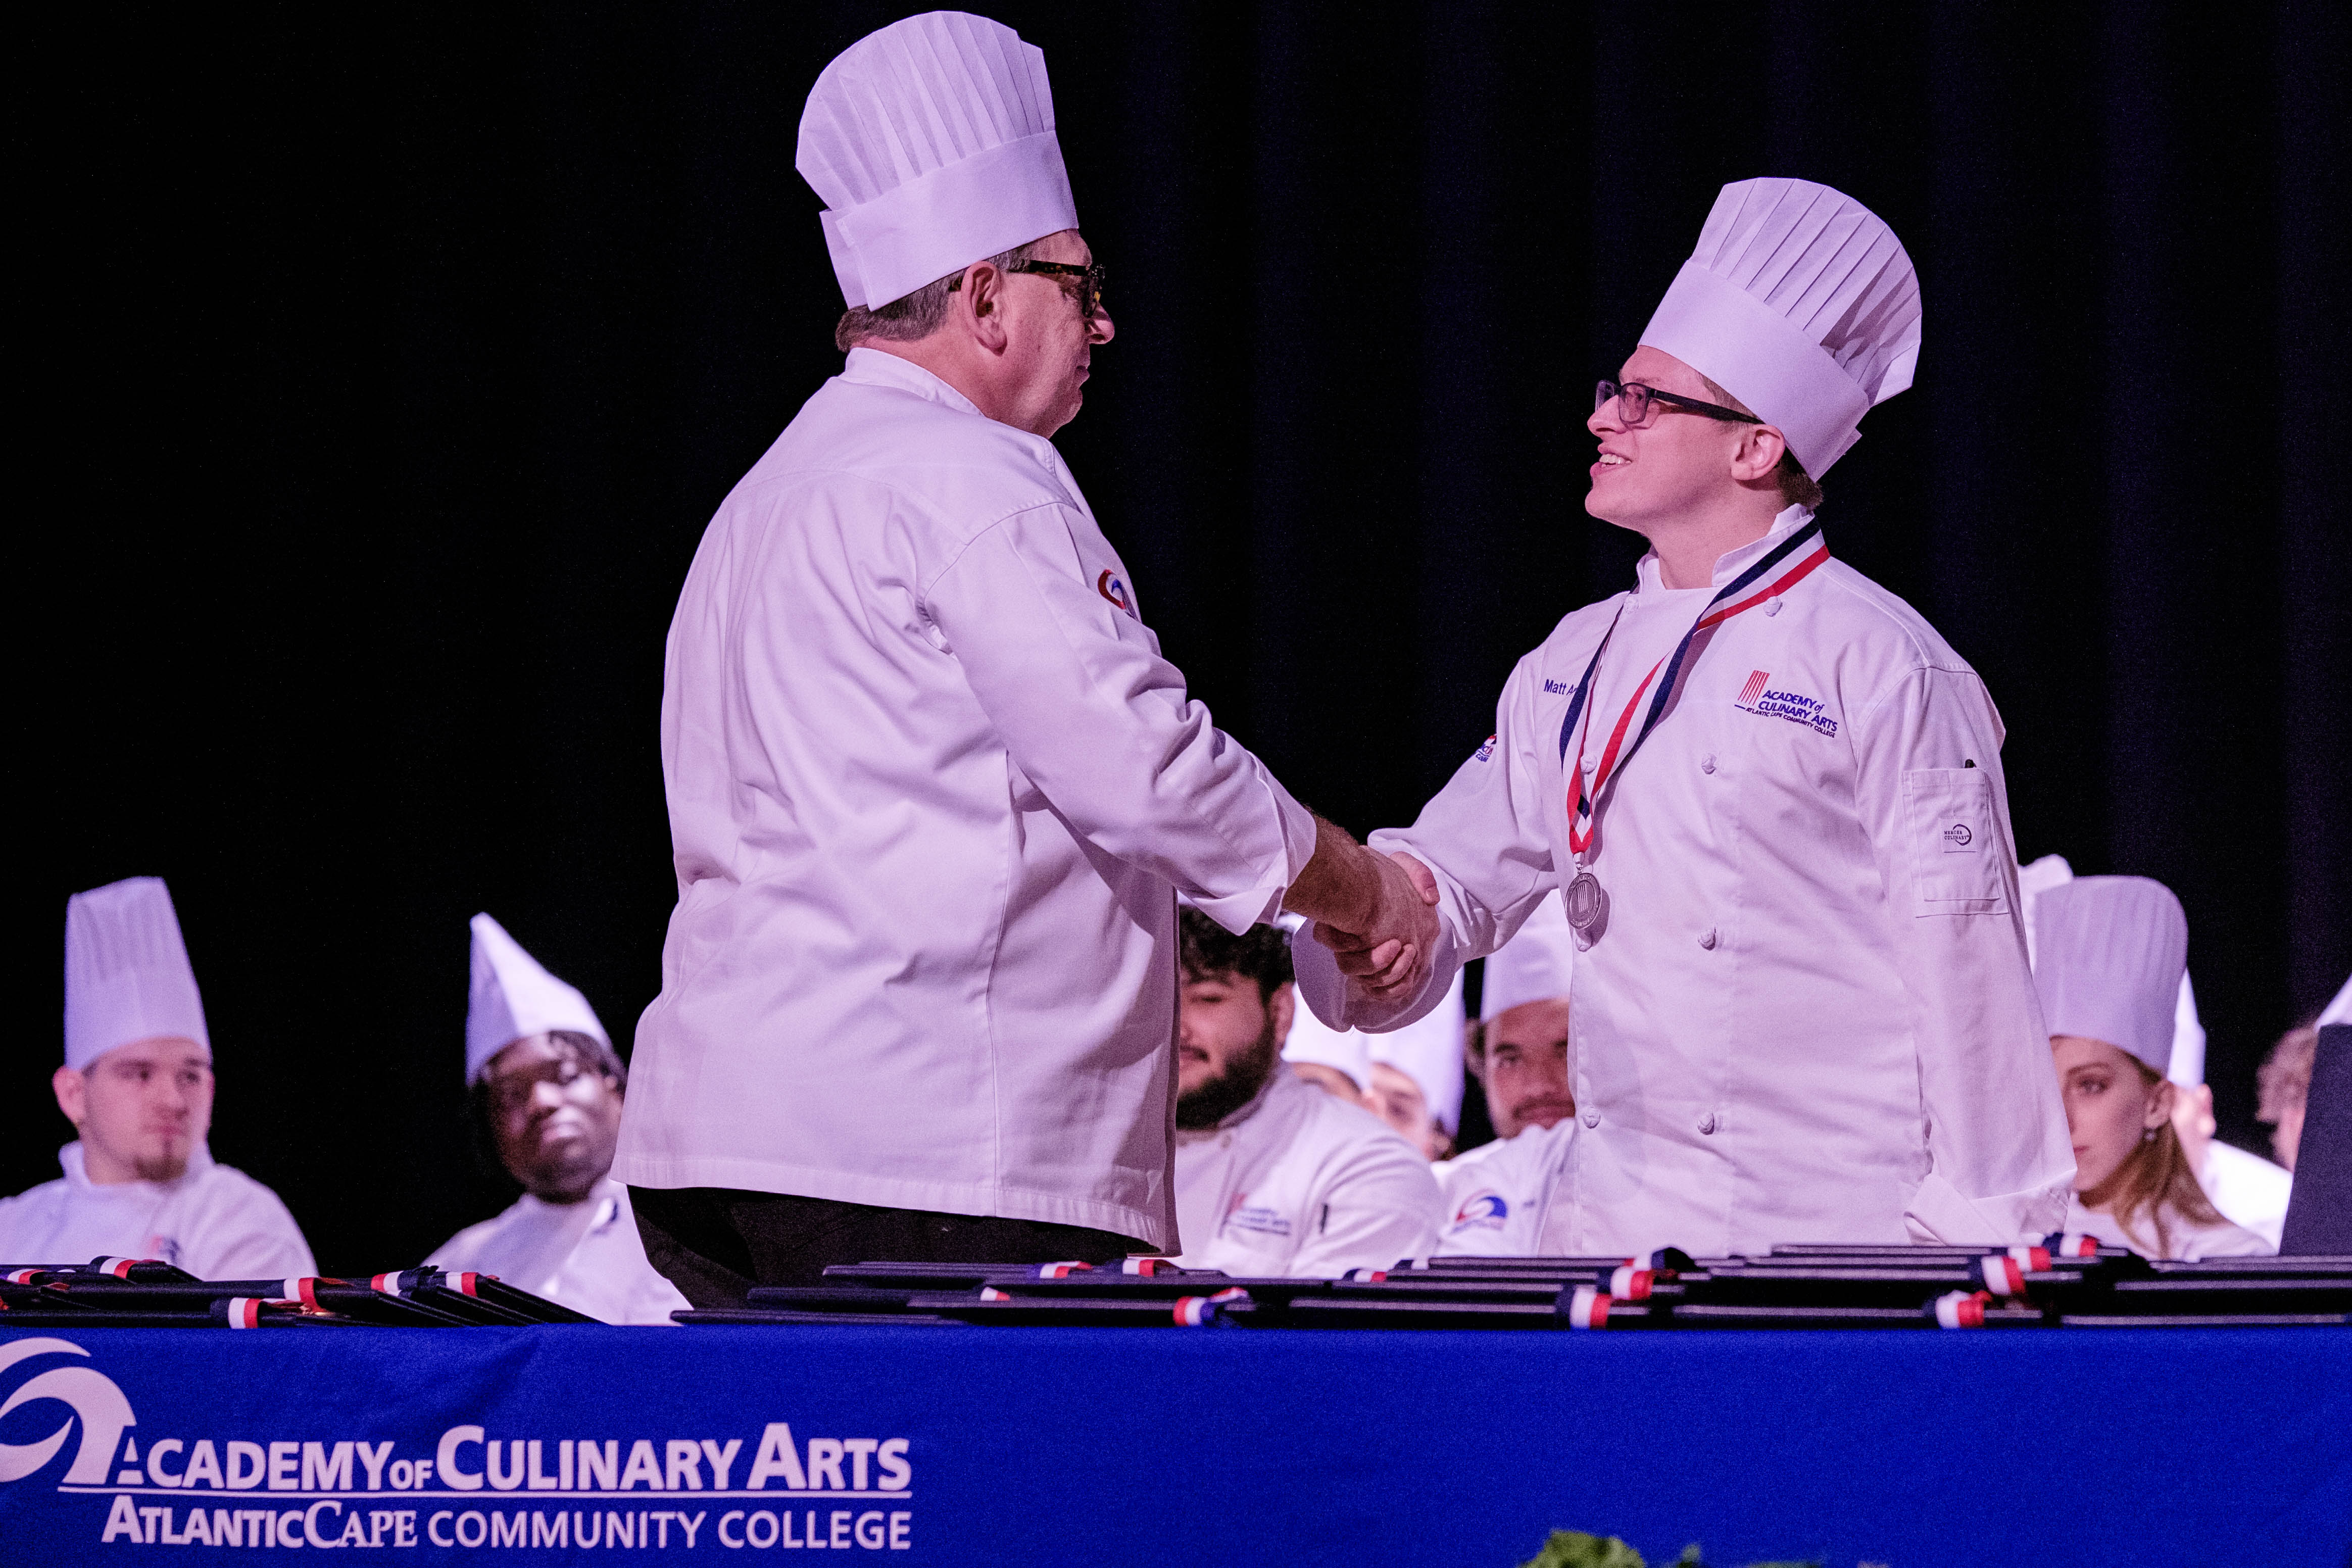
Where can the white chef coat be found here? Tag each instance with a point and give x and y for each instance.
(1499, 1199)
(1298, 1182)
(1811, 1017)
(585, 1255)
(2249, 1191)
(931, 791)
(216, 1222)
(2190, 1242)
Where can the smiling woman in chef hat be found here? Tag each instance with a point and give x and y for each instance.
(2109, 952)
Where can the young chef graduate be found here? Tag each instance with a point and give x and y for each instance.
(1771, 799)
(932, 788)
(1275, 1176)
(544, 1093)
(2109, 955)
(1417, 1077)
(2248, 1190)
(1497, 1195)
(137, 1084)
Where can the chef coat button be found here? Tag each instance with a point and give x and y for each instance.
(1707, 763)
(1706, 939)
(1707, 1124)
(1592, 1119)
(1772, 607)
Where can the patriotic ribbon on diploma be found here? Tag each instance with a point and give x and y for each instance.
(1583, 807)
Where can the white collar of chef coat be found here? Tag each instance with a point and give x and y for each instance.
(70, 1158)
(873, 367)
(1732, 563)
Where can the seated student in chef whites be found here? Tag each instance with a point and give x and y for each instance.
(137, 1084)
(1274, 1176)
(2109, 955)
(545, 1099)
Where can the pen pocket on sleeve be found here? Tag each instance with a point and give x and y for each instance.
(1955, 847)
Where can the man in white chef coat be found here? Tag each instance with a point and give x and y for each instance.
(137, 1084)
(546, 1092)
(1770, 798)
(1496, 1194)
(932, 788)
(1275, 1176)
(1521, 1058)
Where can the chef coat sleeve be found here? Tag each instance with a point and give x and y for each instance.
(1929, 792)
(1485, 838)
(1379, 1205)
(1100, 723)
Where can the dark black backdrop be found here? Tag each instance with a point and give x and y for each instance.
(376, 381)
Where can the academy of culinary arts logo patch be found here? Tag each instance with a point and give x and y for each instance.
(1483, 1210)
(1759, 696)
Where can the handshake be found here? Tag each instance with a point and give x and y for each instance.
(1377, 913)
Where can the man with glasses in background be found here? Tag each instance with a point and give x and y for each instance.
(137, 1084)
(932, 789)
(544, 1098)
(1769, 799)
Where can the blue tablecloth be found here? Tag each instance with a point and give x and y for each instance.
(1193, 1447)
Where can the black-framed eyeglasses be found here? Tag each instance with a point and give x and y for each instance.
(1090, 285)
(1637, 399)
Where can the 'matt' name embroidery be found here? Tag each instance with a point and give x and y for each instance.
(1756, 697)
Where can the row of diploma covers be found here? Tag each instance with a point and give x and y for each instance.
(1305, 1183)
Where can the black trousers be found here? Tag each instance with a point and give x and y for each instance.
(715, 1242)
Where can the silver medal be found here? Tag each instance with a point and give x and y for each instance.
(1588, 909)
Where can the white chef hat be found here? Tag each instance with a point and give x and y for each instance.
(932, 145)
(1535, 965)
(1313, 1040)
(2187, 1067)
(1429, 1051)
(126, 971)
(2109, 961)
(1801, 303)
(513, 996)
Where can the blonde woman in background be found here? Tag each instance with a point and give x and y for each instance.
(2108, 958)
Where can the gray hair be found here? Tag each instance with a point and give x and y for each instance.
(918, 315)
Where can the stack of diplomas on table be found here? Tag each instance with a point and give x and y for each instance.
(2067, 1283)
(144, 1293)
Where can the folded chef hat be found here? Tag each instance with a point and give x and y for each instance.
(1535, 965)
(932, 145)
(1313, 1040)
(513, 996)
(2108, 962)
(1801, 303)
(1429, 1051)
(126, 971)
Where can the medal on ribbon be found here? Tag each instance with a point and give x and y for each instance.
(1586, 900)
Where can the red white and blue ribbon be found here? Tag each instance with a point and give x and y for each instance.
(1202, 1312)
(2071, 1244)
(1149, 1265)
(1059, 1270)
(1627, 1283)
(1582, 804)
(119, 1267)
(1999, 1273)
(1365, 1276)
(1960, 1310)
(24, 1276)
(242, 1312)
(1586, 1308)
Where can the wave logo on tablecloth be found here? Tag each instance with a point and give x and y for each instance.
(90, 1393)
